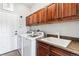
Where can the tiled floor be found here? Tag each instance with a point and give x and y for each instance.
(12, 53)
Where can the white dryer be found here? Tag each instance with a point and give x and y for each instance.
(29, 43)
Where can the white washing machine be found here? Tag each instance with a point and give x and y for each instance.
(29, 44)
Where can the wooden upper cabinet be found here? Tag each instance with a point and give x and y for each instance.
(27, 21)
(39, 16)
(60, 10)
(49, 13)
(55, 12)
(52, 13)
(42, 14)
(68, 9)
(31, 20)
(73, 9)
(35, 19)
(77, 4)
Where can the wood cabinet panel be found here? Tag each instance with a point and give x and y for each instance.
(52, 13)
(60, 52)
(39, 16)
(60, 10)
(55, 12)
(43, 44)
(57, 52)
(73, 9)
(77, 10)
(53, 8)
(69, 9)
(49, 13)
(27, 21)
(31, 20)
(42, 16)
(44, 49)
(75, 14)
(35, 19)
(66, 9)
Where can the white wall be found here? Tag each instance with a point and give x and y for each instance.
(24, 11)
(66, 28)
(19, 9)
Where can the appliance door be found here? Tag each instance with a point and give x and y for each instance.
(8, 27)
(26, 47)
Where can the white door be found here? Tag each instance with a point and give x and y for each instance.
(8, 25)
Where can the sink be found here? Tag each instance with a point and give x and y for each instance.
(56, 41)
(33, 35)
(38, 34)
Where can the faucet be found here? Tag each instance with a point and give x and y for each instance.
(58, 35)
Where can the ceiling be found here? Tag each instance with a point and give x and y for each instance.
(30, 5)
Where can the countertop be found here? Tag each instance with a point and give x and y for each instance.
(72, 47)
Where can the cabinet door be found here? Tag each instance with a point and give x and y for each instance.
(31, 20)
(35, 19)
(42, 49)
(52, 13)
(55, 51)
(27, 21)
(39, 17)
(73, 9)
(77, 4)
(60, 11)
(66, 9)
(69, 9)
(75, 13)
(54, 8)
(42, 14)
(49, 13)
(56, 11)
